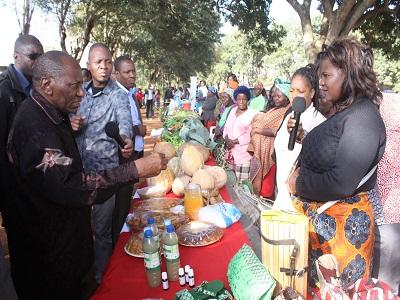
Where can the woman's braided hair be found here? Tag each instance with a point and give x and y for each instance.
(309, 72)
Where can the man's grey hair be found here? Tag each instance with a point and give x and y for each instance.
(51, 64)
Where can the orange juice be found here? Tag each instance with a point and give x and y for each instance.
(193, 200)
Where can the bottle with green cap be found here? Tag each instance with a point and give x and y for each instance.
(151, 258)
(171, 253)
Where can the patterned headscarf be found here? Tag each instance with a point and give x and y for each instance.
(242, 90)
(283, 85)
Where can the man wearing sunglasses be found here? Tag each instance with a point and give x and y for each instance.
(15, 86)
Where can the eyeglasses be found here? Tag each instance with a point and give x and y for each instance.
(31, 56)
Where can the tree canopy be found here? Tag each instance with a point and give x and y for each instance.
(339, 18)
(173, 39)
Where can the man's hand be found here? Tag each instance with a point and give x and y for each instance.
(126, 152)
(300, 131)
(151, 165)
(142, 130)
(77, 122)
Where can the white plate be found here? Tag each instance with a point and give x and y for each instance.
(132, 254)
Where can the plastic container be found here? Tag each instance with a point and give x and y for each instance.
(151, 259)
(193, 200)
(152, 224)
(164, 279)
(182, 279)
(171, 253)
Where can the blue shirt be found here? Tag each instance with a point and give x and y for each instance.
(139, 140)
(25, 84)
(98, 151)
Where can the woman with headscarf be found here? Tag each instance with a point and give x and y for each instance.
(237, 134)
(264, 129)
(208, 107)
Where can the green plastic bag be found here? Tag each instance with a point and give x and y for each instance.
(248, 278)
(206, 290)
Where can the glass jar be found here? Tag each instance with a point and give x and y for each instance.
(193, 200)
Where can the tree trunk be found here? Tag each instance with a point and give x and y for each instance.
(27, 13)
(62, 32)
(62, 16)
(154, 75)
(81, 43)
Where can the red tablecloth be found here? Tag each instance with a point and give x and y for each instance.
(125, 277)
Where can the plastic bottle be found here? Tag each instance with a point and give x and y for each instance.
(152, 224)
(166, 223)
(191, 278)
(151, 259)
(171, 253)
(182, 280)
(187, 268)
(164, 279)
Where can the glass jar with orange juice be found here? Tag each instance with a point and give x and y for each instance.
(193, 200)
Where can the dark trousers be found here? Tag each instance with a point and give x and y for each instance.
(149, 108)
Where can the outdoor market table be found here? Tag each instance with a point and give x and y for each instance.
(125, 277)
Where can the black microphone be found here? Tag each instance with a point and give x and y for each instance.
(299, 106)
(112, 130)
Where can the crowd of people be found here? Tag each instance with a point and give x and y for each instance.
(67, 183)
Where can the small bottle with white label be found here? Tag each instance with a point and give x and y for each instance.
(182, 280)
(164, 279)
(191, 278)
(187, 268)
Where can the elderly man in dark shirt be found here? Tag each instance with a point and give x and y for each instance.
(48, 217)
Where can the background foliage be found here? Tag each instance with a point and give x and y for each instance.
(172, 40)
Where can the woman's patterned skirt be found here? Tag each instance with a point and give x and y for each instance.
(345, 230)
